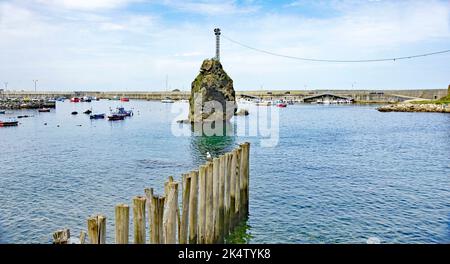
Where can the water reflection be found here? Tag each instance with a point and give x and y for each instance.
(216, 145)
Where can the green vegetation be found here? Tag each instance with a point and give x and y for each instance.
(239, 235)
(443, 100)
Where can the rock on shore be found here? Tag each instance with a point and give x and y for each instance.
(435, 108)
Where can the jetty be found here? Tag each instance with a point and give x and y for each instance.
(204, 208)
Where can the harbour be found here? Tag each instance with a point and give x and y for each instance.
(371, 176)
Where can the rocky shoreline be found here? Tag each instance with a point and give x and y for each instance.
(431, 108)
(11, 105)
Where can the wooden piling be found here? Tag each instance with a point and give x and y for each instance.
(160, 212)
(183, 235)
(61, 236)
(221, 205)
(154, 220)
(148, 204)
(97, 229)
(82, 237)
(202, 204)
(122, 214)
(193, 208)
(242, 182)
(209, 223)
(238, 187)
(139, 219)
(227, 226)
(170, 214)
(246, 177)
(215, 179)
(232, 215)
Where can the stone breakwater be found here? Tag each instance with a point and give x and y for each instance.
(20, 104)
(434, 108)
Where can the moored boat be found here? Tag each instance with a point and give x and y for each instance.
(264, 103)
(122, 111)
(97, 116)
(167, 100)
(114, 117)
(9, 123)
(282, 105)
(87, 112)
(74, 113)
(44, 110)
(2, 112)
(124, 99)
(75, 100)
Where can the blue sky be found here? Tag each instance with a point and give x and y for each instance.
(132, 44)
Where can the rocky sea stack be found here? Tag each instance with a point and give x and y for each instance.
(212, 94)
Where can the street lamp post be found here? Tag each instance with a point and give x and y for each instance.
(35, 85)
(6, 85)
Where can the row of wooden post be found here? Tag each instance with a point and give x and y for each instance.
(214, 200)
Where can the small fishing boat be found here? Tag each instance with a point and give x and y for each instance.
(87, 99)
(44, 110)
(88, 112)
(282, 105)
(122, 111)
(124, 99)
(75, 100)
(2, 112)
(114, 117)
(23, 116)
(74, 113)
(115, 98)
(97, 116)
(9, 123)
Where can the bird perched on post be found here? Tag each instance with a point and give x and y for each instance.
(208, 156)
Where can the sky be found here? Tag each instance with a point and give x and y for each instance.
(132, 45)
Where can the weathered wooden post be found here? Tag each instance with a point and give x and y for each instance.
(221, 198)
(61, 236)
(242, 213)
(139, 219)
(154, 220)
(161, 205)
(122, 214)
(238, 186)
(193, 208)
(215, 179)
(202, 204)
(209, 204)
(170, 213)
(227, 226)
(82, 237)
(232, 218)
(183, 236)
(247, 177)
(97, 229)
(149, 205)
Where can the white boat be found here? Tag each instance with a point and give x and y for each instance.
(167, 101)
(264, 103)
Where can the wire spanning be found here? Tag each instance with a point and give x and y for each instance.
(330, 60)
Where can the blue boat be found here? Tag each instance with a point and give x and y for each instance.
(97, 116)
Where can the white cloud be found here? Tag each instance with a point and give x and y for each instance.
(211, 7)
(74, 49)
(87, 4)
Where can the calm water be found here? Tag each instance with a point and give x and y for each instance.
(339, 173)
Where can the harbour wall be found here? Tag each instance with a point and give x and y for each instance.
(296, 95)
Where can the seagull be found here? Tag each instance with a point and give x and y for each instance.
(208, 156)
